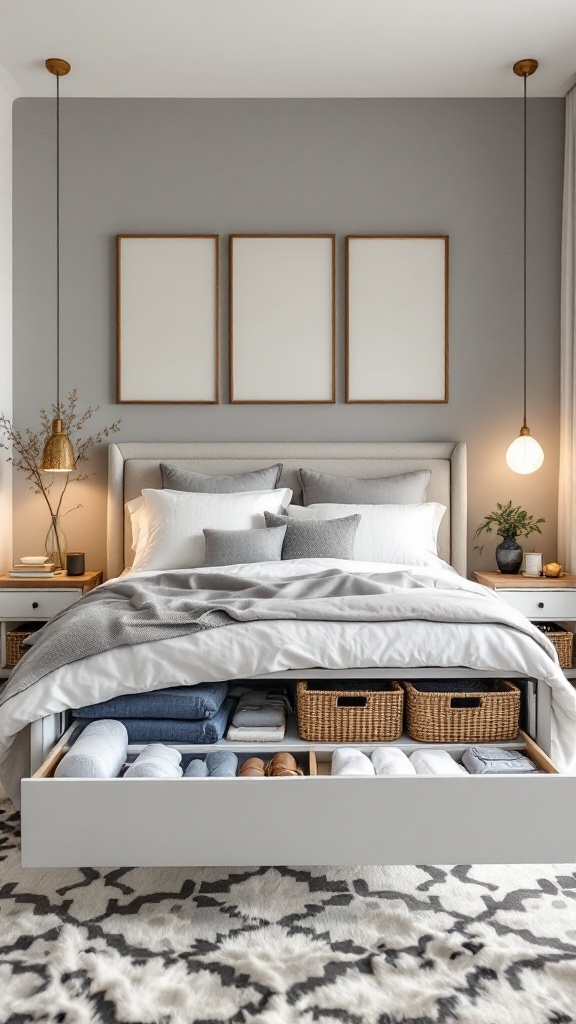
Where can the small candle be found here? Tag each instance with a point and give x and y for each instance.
(533, 563)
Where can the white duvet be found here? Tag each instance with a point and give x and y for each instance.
(249, 649)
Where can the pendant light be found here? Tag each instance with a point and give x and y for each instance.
(525, 455)
(58, 454)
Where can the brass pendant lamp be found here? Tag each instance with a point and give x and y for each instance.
(525, 455)
(58, 453)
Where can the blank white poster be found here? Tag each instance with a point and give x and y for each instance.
(397, 330)
(168, 319)
(282, 318)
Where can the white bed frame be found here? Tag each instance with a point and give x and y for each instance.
(315, 820)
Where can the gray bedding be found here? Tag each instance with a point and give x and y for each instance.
(140, 609)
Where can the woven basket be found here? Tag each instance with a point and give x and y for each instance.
(350, 714)
(487, 711)
(15, 643)
(562, 639)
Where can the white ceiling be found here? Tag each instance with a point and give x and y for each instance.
(263, 48)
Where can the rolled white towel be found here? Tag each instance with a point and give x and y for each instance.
(349, 761)
(98, 753)
(435, 762)
(156, 761)
(391, 761)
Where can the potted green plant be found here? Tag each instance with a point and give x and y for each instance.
(511, 522)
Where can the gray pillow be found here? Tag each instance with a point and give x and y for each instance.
(228, 547)
(324, 488)
(306, 538)
(175, 479)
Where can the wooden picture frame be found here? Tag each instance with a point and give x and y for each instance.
(397, 318)
(282, 319)
(168, 319)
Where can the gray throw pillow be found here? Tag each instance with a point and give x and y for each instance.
(175, 479)
(307, 538)
(229, 547)
(325, 488)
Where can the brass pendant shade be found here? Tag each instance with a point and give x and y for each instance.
(58, 454)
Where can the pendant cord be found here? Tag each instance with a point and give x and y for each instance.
(525, 248)
(58, 243)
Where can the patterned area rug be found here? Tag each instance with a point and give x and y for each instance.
(402, 945)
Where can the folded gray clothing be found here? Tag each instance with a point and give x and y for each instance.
(98, 753)
(196, 769)
(188, 702)
(260, 708)
(497, 761)
(222, 763)
(176, 730)
(243, 734)
(156, 761)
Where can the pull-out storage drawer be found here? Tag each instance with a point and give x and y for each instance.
(312, 820)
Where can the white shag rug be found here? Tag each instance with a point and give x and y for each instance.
(376, 945)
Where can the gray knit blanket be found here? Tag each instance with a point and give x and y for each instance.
(140, 609)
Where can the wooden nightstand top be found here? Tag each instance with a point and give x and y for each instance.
(86, 582)
(509, 581)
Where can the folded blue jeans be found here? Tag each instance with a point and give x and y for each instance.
(186, 702)
(176, 730)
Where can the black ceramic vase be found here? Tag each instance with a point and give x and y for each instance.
(509, 555)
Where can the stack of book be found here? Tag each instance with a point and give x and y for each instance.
(23, 570)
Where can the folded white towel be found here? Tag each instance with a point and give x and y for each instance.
(349, 761)
(256, 733)
(156, 761)
(98, 753)
(435, 762)
(391, 761)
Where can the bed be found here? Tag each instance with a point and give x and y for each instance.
(320, 819)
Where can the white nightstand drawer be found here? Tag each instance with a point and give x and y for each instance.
(35, 604)
(542, 604)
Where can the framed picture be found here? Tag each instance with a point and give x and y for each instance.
(282, 318)
(167, 345)
(396, 318)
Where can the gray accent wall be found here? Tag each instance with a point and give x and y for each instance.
(6, 102)
(345, 166)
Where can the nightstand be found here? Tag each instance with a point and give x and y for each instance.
(540, 598)
(37, 600)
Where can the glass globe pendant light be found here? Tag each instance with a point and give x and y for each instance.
(58, 453)
(525, 455)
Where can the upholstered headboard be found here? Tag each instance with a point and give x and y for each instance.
(134, 465)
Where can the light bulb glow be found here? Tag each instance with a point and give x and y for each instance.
(524, 455)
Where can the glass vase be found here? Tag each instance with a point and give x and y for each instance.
(56, 543)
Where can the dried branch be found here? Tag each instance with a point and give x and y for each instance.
(26, 447)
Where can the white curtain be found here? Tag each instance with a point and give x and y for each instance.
(567, 490)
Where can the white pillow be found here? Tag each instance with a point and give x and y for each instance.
(136, 510)
(173, 536)
(405, 534)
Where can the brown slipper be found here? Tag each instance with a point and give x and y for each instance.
(283, 764)
(253, 767)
